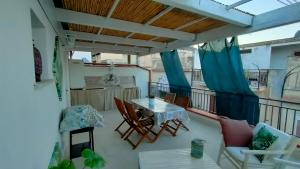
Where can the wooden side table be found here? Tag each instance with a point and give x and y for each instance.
(76, 149)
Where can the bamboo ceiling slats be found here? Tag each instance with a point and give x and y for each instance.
(114, 33)
(95, 7)
(139, 11)
(105, 43)
(204, 25)
(164, 40)
(175, 18)
(83, 28)
(142, 36)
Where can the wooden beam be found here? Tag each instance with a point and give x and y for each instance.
(155, 38)
(278, 17)
(112, 9)
(114, 39)
(154, 18)
(84, 49)
(159, 15)
(211, 9)
(191, 23)
(68, 16)
(110, 47)
(110, 12)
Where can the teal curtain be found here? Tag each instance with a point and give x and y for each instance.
(57, 69)
(223, 72)
(177, 80)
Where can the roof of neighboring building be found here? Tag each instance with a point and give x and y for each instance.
(273, 43)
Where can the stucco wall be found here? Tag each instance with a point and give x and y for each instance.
(29, 114)
(279, 66)
(260, 56)
(78, 71)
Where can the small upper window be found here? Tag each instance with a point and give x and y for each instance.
(245, 51)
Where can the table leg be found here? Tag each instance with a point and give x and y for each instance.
(164, 127)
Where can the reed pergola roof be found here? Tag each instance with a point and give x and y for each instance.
(147, 26)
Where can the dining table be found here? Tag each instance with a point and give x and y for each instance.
(163, 112)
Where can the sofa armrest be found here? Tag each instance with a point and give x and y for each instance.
(264, 152)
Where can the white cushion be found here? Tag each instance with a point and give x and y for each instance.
(236, 152)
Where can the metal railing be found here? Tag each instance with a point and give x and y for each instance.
(283, 115)
(255, 78)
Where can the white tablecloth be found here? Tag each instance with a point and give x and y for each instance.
(162, 110)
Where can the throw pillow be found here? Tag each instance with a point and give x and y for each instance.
(262, 141)
(236, 133)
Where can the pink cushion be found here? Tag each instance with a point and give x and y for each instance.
(236, 133)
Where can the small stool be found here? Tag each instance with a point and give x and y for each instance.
(76, 149)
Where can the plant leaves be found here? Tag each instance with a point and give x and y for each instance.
(55, 167)
(92, 159)
(87, 153)
(66, 164)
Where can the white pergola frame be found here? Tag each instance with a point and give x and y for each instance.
(114, 39)
(211, 9)
(240, 23)
(68, 16)
(88, 45)
(279, 17)
(111, 11)
(238, 3)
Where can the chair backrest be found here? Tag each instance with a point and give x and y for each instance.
(281, 142)
(131, 113)
(170, 97)
(121, 107)
(182, 101)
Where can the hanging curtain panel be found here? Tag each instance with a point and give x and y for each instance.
(57, 69)
(177, 80)
(223, 72)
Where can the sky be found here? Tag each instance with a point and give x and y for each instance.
(79, 55)
(257, 7)
(254, 7)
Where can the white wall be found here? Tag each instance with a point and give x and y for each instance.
(29, 115)
(279, 59)
(78, 71)
(279, 62)
(260, 56)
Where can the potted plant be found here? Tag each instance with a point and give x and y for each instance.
(92, 160)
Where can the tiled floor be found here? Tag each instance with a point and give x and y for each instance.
(119, 154)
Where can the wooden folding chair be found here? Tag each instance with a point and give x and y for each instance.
(182, 101)
(141, 126)
(121, 107)
(170, 97)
